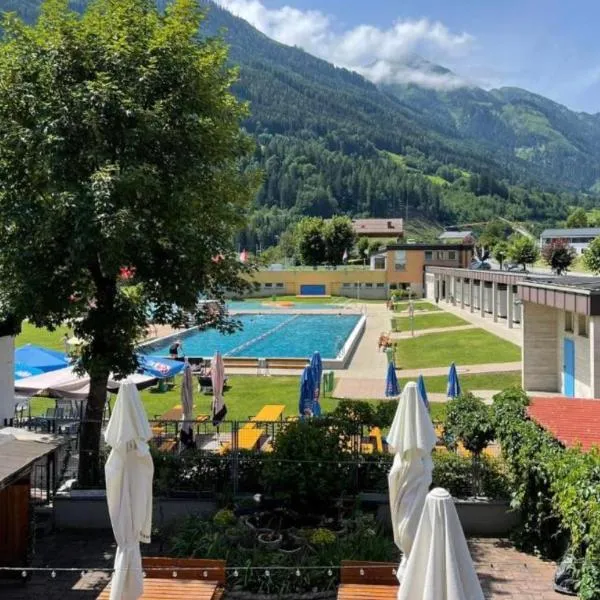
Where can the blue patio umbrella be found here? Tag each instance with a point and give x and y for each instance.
(307, 392)
(453, 390)
(423, 391)
(44, 359)
(160, 367)
(316, 366)
(392, 387)
(22, 371)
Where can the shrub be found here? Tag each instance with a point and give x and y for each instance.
(224, 518)
(322, 537)
(469, 420)
(306, 485)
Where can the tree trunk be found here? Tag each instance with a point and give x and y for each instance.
(91, 465)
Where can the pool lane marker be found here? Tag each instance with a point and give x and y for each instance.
(260, 337)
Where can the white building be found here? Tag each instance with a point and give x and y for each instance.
(579, 238)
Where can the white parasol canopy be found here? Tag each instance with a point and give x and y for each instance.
(187, 394)
(440, 566)
(129, 470)
(412, 438)
(217, 374)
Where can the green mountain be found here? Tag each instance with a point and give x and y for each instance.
(330, 141)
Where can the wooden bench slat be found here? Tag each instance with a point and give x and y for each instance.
(161, 568)
(367, 592)
(161, 589)
(374, 573)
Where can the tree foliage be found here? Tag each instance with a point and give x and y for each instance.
(119, 147)
(500, 252)
(591, 256)
(312, 249)
(523, 251)
(578, 218)
(339, 237)
(559, 255)
(469, 420)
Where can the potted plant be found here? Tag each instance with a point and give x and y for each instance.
(291, 544)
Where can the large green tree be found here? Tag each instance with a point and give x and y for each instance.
(339, 237)
(559, 256)
(523, 251)
(119, 147)
(591, 256)
(578, 218)
(312, 249)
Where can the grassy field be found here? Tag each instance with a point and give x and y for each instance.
(402, 307)
(475, 381)
(469, 347)
(41, 337)
(430, 321)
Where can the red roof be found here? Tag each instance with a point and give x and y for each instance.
(392, 227)
(571, 421)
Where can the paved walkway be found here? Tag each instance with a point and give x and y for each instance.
(402, 335)
(499, 328)
(505, 573)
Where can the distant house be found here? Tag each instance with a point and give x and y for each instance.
(578, 238)
(382, 228)
(455, 236)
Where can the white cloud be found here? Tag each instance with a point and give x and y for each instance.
(376, 53)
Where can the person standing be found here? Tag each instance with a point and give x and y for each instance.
(174, 349)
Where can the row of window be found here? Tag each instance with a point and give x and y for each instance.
(366, 285)
(440, 255)
(272, 285)
(577, 240)
(582, 324)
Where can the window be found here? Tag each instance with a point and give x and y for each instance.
(268, 285)
(582, 325)
(379, 262)
(400, 260)
(452, 255)
(393, 286)
(279, 285)
(380, 285)
(357, 284)
(439, 255)
(428, 255)
(569, 321)
(368, 285)
(346, 285)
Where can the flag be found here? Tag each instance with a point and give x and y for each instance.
(345, 257)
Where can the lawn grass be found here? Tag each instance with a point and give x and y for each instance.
(402, 307)
(469, 347)
(42, 337)
(475, 381)
(430, 321)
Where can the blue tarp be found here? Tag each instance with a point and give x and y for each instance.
(43, 359)
(453, 390)
(423, 391)
(160, 367)
(316, 366)
(392, 387)
(307, 392)
(22, 371)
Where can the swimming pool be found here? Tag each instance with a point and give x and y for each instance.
(269, 336)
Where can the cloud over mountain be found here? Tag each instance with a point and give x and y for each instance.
(377, 54)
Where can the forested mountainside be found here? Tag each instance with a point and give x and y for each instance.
(330, 141)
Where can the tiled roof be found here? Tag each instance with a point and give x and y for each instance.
(571, 421)
(454, 235)
(391, 226)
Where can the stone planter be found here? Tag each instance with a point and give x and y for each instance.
(272, 540)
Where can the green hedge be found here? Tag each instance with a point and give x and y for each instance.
(557, 491)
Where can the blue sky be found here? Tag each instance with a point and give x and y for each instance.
(550, 47)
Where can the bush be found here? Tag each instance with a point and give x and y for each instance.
(224, 518)
(306, 485)
(469, 420)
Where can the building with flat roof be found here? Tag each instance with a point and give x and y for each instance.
(455, 236)
(379, 228)
(579, 238)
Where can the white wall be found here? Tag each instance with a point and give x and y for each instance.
(7, 378)
(540, 348)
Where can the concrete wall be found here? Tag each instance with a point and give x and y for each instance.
(594, 329)
(540, 348)
(7, 378)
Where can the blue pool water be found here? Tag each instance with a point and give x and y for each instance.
(270, 335)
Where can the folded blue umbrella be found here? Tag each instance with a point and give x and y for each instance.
(453, 390)
(307, 392)
(392, 387)
(43, 359)
(423, 391)
(160, 367)
(316, 366)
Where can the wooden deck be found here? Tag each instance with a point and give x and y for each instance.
(173, 589)
(350, 591)
(367, 581)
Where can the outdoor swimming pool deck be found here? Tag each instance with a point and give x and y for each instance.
(285, 338)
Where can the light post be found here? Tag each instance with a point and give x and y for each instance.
(411, 314)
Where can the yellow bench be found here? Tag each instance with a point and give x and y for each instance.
(269, 412)
(248, 439)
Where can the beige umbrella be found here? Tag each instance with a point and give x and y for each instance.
(187, 404)
(440, 566)
(412, 438)
(129, 470)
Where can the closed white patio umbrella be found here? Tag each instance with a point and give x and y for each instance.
(440, 566)
(412, 439)
(129, 470)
